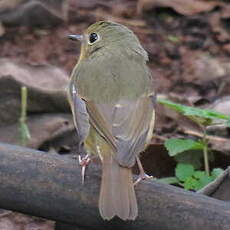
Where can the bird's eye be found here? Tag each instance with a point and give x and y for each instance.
(93, 37)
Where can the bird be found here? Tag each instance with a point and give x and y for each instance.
(112, 98)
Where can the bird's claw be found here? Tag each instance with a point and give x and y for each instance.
(83, 162)
(141, 177)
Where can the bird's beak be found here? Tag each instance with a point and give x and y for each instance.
(75, 37)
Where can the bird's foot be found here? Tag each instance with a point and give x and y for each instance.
(143, 176)
(84, 162)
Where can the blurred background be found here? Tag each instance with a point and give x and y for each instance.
(188, 42)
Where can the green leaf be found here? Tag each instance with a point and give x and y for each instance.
(183, 171)
(198, 174)
(169, 180)
(175, 145)
(201, 116)
(203, 181)
(216, 172)
(190, 183)
(24, 133)
(192, 157)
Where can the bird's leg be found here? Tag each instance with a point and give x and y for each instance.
(142, 175)
(83, 162)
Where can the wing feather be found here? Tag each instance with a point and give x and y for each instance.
(120, 109)
(80, 116)
(125, 127)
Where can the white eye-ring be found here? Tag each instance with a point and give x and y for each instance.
(93, 37)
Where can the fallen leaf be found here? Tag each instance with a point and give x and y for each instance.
(221, 105)
(43, 128)
(33, 13)
(217, 27)
(187, 8)
(46, 89)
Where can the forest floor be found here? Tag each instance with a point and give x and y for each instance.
(188, 43)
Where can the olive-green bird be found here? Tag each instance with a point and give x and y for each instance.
(112, 100)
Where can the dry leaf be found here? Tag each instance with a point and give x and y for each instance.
(46, 89)
(221, 105)
(33, 12)
(184, 7)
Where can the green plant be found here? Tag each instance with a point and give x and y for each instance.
(191, 179)
(202, 117)
(23, 128)
(186, 174)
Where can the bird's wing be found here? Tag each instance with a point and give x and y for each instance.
(124, 125)
(101, 123)
(80, 115)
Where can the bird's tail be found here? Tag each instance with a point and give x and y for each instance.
(117, 195)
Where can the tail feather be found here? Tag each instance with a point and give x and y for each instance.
(117, 195)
